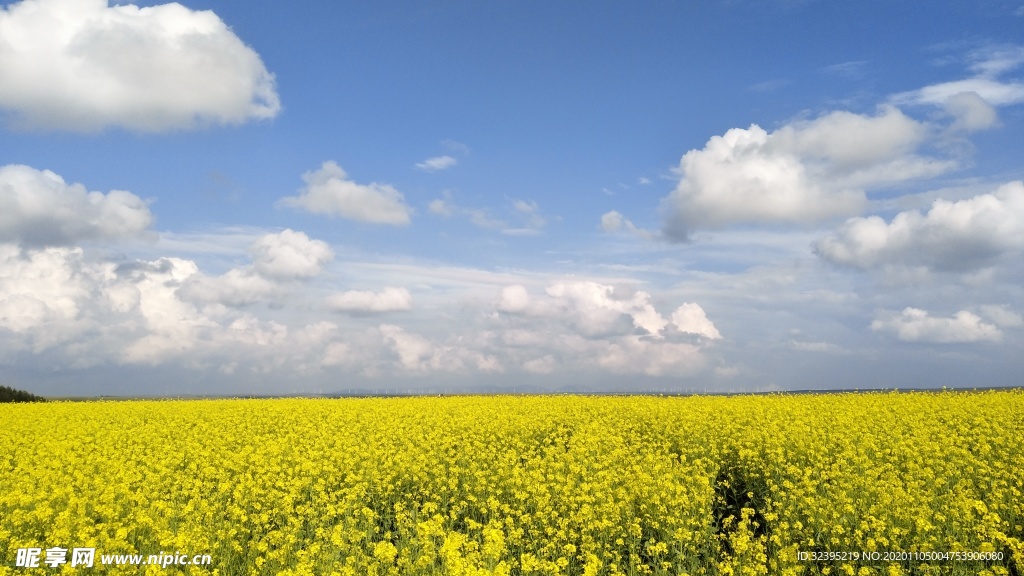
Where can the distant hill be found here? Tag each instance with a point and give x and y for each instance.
(8, 394)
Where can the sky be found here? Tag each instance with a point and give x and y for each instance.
(737, 195)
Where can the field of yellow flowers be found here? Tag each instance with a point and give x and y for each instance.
(520, 485)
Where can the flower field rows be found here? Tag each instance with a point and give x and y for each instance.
(522, 485)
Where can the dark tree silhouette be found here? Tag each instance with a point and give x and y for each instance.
(8, 394)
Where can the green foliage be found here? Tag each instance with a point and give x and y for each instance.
(8, 394)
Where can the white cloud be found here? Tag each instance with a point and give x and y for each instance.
(236, 287)
(1002, 316)
(289, 254)
(172, 326)
(37, 208)
(41, 293)
(169, 313)
(585, 326)
(987, 64)
(845, 141)
(544, 365)
(442, 206)
(963, 235)
(525, 207)
(613, 222)
(514, 299)
(597, 308)
(357, 301)
(414, 352)
(632, 354)
(529, 213)
(971, 112)
(418, 354)
(97, 312)
(482, 219)
(992, 91)
(807, 171)
(339, 354)
(84, 65)
(225, 241)
(84, 313)
(997, 59)
(329, 191)
(437, 163)
(692, 319)
(915, 325)
(530, 220)
(277, 259)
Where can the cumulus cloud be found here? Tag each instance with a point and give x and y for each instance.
(971, 111)
(544, 365)
(585, 326)
(277, 259)
(598, 307)
(42, 293)
(172, 326)
(329, 191)
(84, 65)
(82, 312)
(366, 302)
(128, 314)
(169, 312)
(414, 351)
(692, 319)
(289, 254)
(38, 208)
(598, 310)
(963, 235)
(632, 354)
(514, 299)
(807, 171)
(236, 287)
(915, 325)
(613, 222)
(339, 354)
(437, 163)
(418, 354)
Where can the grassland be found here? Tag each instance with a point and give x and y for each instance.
(523, 485)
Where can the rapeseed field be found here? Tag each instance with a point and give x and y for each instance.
(886, 484)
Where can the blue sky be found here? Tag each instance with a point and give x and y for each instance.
(262, 197)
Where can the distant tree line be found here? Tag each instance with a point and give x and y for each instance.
(8, 394)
